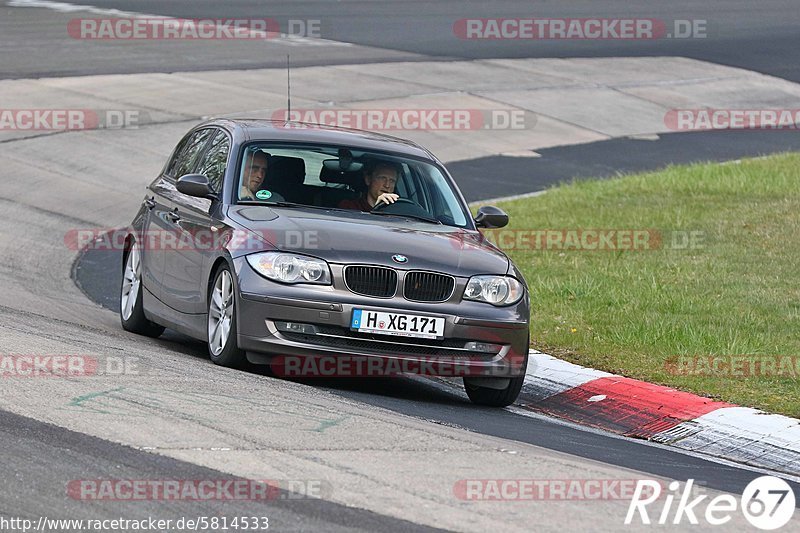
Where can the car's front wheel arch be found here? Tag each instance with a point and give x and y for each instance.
(212, 275)
(230, 355)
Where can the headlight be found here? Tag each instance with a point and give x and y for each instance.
(496, 290)
(290, 268)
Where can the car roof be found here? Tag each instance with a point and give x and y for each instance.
(255, 129)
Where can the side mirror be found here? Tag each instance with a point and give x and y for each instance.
(195, 185)
(490, 216)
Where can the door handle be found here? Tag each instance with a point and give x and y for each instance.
(150, 202)
(173, 216)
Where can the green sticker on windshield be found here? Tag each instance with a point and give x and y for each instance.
(263, 195)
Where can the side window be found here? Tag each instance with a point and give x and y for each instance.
(215, 160)
(185, 162)
(176, 155)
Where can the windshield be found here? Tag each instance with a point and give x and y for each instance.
(337, 177)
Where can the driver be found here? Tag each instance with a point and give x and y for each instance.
(381, 179)
(255, 171)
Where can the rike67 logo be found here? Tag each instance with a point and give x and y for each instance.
(767, 503)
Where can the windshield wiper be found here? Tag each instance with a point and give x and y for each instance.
(415, 217)
(279, 204)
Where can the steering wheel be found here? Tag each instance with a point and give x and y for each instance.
(383, 205)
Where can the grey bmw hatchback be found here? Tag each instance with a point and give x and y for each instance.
(324, 251)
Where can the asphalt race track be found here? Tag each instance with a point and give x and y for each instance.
(760, 37)
(387, 453)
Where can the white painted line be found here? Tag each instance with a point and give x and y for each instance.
(538, 193)
(522, 153)
(507, 198)
(644, 137)
(65, 7)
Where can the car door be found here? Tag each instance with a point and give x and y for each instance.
(154, 224)
(184, 289)
(163, 231)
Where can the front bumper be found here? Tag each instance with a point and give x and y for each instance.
(264, 305)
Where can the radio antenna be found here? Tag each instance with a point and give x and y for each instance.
(288, 90)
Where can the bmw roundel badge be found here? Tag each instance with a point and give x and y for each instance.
(397, 258)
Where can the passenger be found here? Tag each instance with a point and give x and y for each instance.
(381, 179)
(255, 172)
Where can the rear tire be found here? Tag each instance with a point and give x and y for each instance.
(223, 348)
(131, 305)
(497, 397)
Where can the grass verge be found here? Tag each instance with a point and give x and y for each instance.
(704, 307)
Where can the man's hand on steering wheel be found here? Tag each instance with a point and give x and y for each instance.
(386, 198)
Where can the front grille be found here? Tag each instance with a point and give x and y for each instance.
(428, 287)
(371, 281)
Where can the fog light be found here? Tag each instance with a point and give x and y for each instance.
(483, 347)
(296, 327)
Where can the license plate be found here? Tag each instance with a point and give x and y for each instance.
(422, 327)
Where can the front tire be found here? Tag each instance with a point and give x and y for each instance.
(131, 304)
(222, 346)
(490, 397)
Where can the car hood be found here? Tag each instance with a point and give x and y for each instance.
(353, 237)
